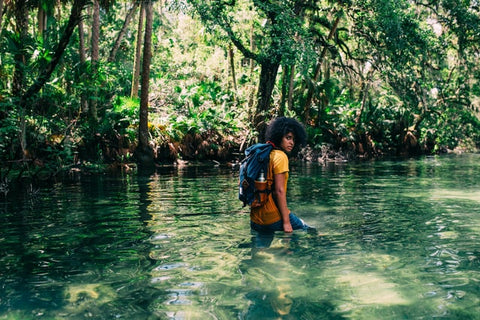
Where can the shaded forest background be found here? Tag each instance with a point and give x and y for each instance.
(111, 82)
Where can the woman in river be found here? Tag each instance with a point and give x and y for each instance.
(287, 135)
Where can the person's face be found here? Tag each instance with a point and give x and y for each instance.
(288, 142)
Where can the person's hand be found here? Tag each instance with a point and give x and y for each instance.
(287, 227)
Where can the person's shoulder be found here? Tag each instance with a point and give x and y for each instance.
(279, 154)
(279, 161)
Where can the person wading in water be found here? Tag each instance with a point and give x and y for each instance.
(286, 135)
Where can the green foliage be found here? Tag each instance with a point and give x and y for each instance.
(315, 136)
(8, 131)
(123, 118)
(454, 128)
(392, 69)
(127, 106)
(199, 121)
(201, 108)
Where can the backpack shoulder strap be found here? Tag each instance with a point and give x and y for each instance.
(260, 148)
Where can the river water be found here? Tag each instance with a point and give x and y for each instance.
(395, 240)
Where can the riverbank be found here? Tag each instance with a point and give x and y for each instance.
(35, 170)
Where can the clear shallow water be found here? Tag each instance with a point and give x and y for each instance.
(396, 240)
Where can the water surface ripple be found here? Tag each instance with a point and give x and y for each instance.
(396, 240)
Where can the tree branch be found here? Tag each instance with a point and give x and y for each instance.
(75, 16)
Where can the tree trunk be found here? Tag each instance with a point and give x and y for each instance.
(18, 87)
(21, 28)
(138, 53)
(145, 153)
(363, 96)
(81, 42)
(42, 23)
(251, 96)
(122, 32)
(93, 113)
(291, 87)
(283, 98)
(268, 76)
(1, 15)
(95, 31)
(83, 60)
(286, 101)
(232, 67)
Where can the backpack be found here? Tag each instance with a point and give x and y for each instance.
(257, 159)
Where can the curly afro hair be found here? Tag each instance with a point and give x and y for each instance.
(279, 127)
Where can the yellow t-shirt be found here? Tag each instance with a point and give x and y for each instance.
(269, 213)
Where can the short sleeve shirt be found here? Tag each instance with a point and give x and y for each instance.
(269, 213)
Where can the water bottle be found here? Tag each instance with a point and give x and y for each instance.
(260, 190)
(261, 177)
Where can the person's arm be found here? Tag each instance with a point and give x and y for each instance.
(280, 197)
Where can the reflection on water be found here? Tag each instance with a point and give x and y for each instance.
(396, 240)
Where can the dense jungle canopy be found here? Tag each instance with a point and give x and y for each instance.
(108, 81)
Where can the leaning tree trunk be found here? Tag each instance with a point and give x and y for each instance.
(122, 32)
(144, 151)
(316, 75)
(75, 16)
